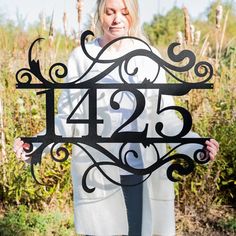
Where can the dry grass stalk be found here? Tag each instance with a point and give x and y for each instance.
(80, 5)
(65, 24)
(22, 41)
(197, 37)
(187, 26)
(75, 37)
(209, 50)
(223, 32)
(92, 26)
(42, 21)
(219, 14)
(180, 38)
(205, 45)
(51, 31)
(220, 34)
(92, 22)
(3, 139)
(192, 31)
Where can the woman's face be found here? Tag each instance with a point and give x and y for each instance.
(115, 20)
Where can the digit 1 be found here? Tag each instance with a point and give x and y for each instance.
(50, 115)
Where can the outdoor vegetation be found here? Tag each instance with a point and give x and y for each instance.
(205, 200)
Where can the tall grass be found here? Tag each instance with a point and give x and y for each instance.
(22, 114)
(214, 114)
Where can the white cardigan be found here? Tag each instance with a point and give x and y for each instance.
(103, 212)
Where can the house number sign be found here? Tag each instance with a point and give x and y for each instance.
(120, 138)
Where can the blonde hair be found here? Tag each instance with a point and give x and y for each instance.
(133, 9)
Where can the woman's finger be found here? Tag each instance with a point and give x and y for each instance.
(212, 157)
(212, 150)
(213, 147)
(19, 152)
(215, 143)
(26, 146)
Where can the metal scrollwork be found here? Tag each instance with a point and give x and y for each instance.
(121, 137)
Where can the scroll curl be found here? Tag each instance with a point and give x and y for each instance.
(201, 156)
(120, 138)
(61, 154)
(60, 72)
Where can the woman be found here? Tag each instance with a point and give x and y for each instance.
(148, 208)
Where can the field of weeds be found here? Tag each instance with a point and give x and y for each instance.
(205, 200)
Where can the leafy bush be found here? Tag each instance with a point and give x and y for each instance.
(24, 222)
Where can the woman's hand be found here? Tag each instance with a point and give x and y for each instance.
(212, 146)
(19, 147)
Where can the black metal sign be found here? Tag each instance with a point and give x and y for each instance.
(120, 138)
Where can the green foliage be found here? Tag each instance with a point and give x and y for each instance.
(163, 29)
(213, 111)
(24, 115)
(25, 222)
(229, 223)
(214, 116)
